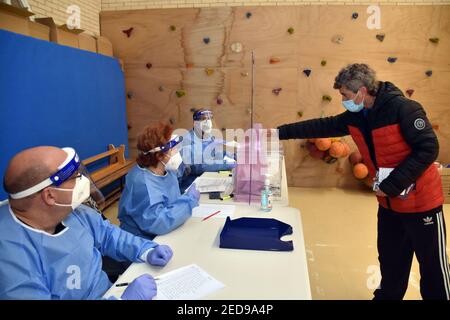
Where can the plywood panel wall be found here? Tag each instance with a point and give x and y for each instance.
(179, 58)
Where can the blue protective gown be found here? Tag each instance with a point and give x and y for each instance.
(66, 265)
(196, 154)
(151, 204)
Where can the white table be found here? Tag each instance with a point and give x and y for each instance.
(283, 201)
(247, 274)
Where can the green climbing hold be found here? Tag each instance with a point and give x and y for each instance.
(300, 114)
(173, 28)
(323, 63)
(290, 30)
(326, 97)
(180, 93)
(434, 40)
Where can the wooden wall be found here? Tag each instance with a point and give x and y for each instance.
(179, 59)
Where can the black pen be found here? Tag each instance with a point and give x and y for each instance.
(124, 284)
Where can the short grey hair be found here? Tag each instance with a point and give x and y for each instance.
(355, 76)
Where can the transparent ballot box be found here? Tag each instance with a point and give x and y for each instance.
(258, 158)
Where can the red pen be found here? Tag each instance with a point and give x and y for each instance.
(212, 214)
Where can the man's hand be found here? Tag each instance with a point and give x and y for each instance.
(380, 193)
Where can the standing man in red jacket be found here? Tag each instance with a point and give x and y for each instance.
(392, 131)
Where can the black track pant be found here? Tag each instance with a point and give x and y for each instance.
(400, 236)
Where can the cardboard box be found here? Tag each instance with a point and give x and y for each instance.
(61, 34)
(14, 19)
(39, 31)
(104, 46)
(87, 42)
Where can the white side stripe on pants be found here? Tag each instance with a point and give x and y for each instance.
(443, 254)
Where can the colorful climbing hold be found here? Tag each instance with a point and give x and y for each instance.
(274, 60)
(429, 73)
(193, 110)
(219, 101)
(209, 71)
(300, 114)
(128, 31)
(161, 88)
(355, 15)
(434, 40)
(129, 126)
(236, 47)
(326, 97)
(244, 73)
(391, 59)
(276, 91)
(435, 126)
(380, 36)
(248, 15)
(149, 65)
(410, 92)
(307, 72)
(180, 93)
(189, 65)
(338, 39)
(172, 28)
(323, 63)
(172, 121)
(290, 30)
(130, 94)
(206, 40)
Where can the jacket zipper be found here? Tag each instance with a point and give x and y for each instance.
(367, 129)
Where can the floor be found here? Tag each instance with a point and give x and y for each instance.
(339, 228)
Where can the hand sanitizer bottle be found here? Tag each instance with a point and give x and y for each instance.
(266, 197)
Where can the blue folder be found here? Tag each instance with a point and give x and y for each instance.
(255, 234)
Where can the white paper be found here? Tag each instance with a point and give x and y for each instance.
(205, 210)
(186, 283)
(189, 282)
(383, 173)
(208, 184)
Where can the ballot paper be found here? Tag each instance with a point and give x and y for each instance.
(204, 210)
(187, 283)
(382, 174)
(209, 184)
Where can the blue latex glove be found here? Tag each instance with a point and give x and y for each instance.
(160, 255)
(142, 288)
(193, 193)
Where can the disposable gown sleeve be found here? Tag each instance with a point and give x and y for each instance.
(115, 242)
(159, 218)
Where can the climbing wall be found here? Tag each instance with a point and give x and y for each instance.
(179, 59)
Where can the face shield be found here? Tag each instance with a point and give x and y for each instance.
(203, 122)
(71, 168)
(173, 144)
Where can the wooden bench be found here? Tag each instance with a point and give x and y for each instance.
(118, 167)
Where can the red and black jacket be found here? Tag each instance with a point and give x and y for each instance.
(394, 133)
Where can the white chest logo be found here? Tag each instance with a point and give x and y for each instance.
(419, 124)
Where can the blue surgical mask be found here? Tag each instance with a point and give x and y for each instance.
(351, 106)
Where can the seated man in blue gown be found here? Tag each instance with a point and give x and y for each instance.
(51, 244)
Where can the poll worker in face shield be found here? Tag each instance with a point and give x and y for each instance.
(51, 245)
(202, 151)
(151, 203)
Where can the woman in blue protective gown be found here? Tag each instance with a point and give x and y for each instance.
(202, 151)
(152, 203)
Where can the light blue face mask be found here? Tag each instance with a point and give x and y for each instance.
(351, 106)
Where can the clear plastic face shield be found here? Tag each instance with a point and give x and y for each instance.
(173, 144)
(171, 150)
(71, 168)
(203, 122)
